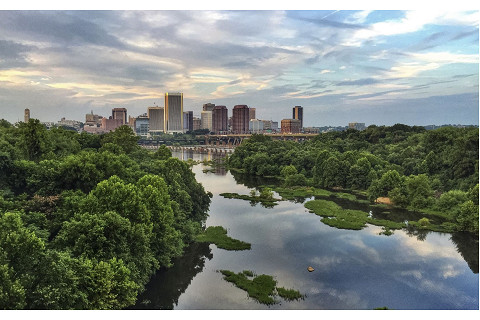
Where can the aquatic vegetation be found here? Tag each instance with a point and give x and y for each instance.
(264, 200)
(289, 294)
(218, 236)
(261, 288)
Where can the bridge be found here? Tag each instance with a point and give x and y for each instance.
(224, 143)
(233, 140)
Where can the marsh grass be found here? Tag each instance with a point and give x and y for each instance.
(289, 294)
(261, 288)
(218, 236)
(253, 199)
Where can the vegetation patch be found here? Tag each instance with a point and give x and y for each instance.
(289, 294)
(218, 236)
(294, 193)
(261, 288)
(265, 200)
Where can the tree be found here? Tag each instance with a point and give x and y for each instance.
(419, 192)
(163, 153)
(288, 171)
(32, 139)
(123, 137)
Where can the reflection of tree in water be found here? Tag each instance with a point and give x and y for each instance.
(165, 287)
(252, 181)
(415, 232)
(467, 246)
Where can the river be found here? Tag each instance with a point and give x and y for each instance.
(353, 269)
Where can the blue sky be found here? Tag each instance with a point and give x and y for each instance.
(378, 67)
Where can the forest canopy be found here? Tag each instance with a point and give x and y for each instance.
(85, 220)
(415, 168)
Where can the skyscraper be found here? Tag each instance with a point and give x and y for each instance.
(26, 116)
(240, 119)
(156, 119)
(220, 119)
(206, 117)
(120, 113)
(174, 112)
(188, 121)
(208, 106)
(298, 115)
(251, 113)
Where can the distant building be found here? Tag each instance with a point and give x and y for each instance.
(69, 124)
(156, 116)
(121, 114)
(111, 124)
(311, 130)
(142, 125)
(256, 126)
(291, 126)
(298, 115)
(188, 121)
(275, 126)
(220, 119)
(270, 126)
(357, 126)
(240, 119)
(206, 117)
(208, 106)
(26, 116)
(174, 112)
(93, 120)
(197, 123)
(251, 113)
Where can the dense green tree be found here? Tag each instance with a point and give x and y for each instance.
(162, 153)
(33, 139)
(124, 137)
(419, 192)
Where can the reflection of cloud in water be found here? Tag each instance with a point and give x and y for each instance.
(446, 293)
(368, 255)
(449, 271)
(325, 263)
(436, 244)
(417, 274)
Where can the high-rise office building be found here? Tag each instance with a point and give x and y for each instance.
(298, 115)
(174, 112)
(208, 106)
(206, 117)
(156, 119)
(220, 119)
(188, 121)
(197, 123)
(120, 113)
(240, 119)
(142, 125)
(26, 116)
(251, 113)
(291, 126)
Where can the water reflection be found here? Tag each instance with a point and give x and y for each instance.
(166, 286)
(412, 269)
(467, 246)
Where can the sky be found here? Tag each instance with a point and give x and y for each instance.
(416, 67)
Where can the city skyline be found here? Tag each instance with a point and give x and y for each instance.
(375, 67)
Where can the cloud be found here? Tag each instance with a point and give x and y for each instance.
(413, 21)
(359, 82)
(13, 54)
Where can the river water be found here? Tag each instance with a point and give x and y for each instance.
(353, 269)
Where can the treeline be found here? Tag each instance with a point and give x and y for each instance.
(415, 168)
(86, 220)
